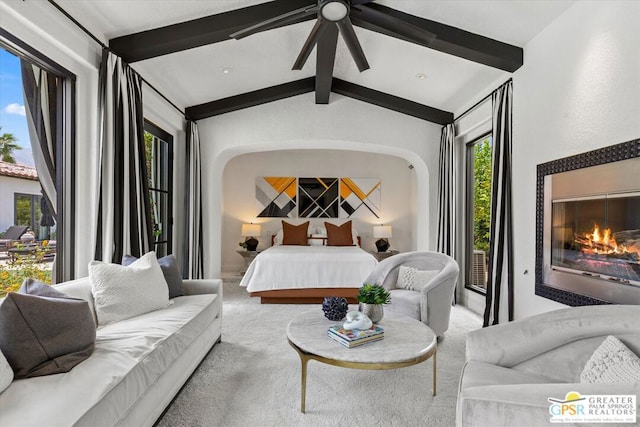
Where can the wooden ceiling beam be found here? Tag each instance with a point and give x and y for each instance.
(250, 99)
(451, 40)
(299, 87)
(325, 60)
(200, 32)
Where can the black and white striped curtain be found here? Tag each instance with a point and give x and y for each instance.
(193, 243)
(40, 96)
(124, 213)
(447, 193)
(501, 246)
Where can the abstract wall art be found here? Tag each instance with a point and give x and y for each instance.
(276, 196)
(318, 197)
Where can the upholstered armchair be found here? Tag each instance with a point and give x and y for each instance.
(432, 304)
(514, 368)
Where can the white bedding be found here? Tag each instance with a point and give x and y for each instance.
(301, 267)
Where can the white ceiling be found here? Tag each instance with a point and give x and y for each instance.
(195, 76)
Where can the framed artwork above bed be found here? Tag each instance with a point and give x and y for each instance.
(313, 197)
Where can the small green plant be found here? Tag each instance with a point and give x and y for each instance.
(13, 273)
(373, 294)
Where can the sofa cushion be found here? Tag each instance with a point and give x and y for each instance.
(405, 302)
(44, 331)
(170, 270)
(123, 292)
(6, 373)
(612, 362)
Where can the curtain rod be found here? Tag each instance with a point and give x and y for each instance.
(474, 106)
(104, 46)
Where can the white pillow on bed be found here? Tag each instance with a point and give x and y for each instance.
(317, 240)
(321, 231)
(278, 239)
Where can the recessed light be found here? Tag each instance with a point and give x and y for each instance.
(226, 70)
(421, 76)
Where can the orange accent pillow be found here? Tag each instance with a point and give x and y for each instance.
(295, 234)
(339, 235)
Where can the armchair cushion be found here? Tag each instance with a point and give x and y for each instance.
(413, 279)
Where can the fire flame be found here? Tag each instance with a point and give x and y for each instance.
(595, 242)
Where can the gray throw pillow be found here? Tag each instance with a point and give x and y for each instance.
(170, 270)
(43, 331)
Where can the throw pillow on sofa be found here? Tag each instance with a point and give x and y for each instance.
(123, 292)
(170, 270)
(612, 362)
(44, 331)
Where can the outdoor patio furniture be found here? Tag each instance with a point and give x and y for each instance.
(12, 235)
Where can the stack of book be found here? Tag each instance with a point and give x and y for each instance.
(355, 337)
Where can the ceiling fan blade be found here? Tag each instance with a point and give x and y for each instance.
(393, 24)
(308, 46)
(351, 40)
(276, 21)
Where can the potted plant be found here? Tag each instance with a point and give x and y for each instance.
(371, 298)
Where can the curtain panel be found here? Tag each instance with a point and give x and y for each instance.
(124, 213)
(500, 280)
(447, 193)
(40, 96)
(193, 266)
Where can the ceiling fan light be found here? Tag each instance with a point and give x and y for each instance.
(334, 10)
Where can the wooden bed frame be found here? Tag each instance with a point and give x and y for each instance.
(305, 296)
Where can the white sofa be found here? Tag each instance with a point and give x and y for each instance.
(513, 369)
(137, 368)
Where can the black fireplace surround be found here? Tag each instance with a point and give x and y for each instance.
(587, 245)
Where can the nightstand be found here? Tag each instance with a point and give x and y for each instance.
(382, 255)
(248, 256)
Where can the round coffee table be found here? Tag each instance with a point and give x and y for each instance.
(406, 342)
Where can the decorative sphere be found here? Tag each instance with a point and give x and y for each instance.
(335, 308)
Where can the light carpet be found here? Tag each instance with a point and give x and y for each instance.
(252, 378)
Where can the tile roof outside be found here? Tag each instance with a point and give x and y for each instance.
(18, 171)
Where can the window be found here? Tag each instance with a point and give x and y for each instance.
(59, 111)
(479, 158)
(159, 156)
(27, 211)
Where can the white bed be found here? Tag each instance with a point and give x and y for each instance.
(307, 272)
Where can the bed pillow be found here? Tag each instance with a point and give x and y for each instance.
(277, 239)
(612, 362)
(44, 331)
(321, 231)
(295, 234)
(170, 270)
(123, 292)
(339, 235)
(413, 279)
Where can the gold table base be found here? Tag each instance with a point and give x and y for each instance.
(305, 357)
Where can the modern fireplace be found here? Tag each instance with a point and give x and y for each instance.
(588, 227)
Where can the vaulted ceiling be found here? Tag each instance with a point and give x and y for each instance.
(184, 49)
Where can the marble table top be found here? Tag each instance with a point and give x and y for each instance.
(404, 339)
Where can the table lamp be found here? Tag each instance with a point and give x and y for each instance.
(249, 231)
(382, 232)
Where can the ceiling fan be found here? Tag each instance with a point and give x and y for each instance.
(337, 13)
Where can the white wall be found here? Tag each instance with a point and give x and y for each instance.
(297, 122)
(240, 205)
(579, 90)
(8, 187)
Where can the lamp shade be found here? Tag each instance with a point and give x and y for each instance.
(382, 231)
(250, 230)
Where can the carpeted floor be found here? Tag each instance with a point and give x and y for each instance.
(252, 378)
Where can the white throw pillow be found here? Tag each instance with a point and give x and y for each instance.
(413, 279)
(277, 240)
(123, 292)
(612, 362)
(6, 373)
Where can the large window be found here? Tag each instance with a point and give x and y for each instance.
(27, 211)
(479, 154)
(159, 156)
